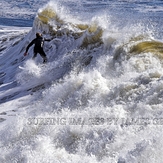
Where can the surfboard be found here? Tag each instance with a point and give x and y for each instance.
(21, 67)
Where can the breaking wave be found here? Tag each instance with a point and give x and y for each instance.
(96, 100)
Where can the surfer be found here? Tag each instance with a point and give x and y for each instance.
(38, 48)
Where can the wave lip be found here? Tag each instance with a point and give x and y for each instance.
(87, 33)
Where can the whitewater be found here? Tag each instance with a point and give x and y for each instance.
(99, 99)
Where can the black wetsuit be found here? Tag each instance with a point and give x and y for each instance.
(38, 48)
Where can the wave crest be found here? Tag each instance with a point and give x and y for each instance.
(49, 20)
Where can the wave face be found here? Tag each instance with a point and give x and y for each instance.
(99, 97)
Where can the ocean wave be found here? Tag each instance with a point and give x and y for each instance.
(98, 99)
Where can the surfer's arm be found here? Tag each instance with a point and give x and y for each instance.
(47, 39)
(30, 44)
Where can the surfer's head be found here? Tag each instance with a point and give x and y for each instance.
(38, 34)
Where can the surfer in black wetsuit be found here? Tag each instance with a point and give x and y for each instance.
(38, 48)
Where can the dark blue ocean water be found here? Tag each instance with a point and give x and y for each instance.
(22, 13)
